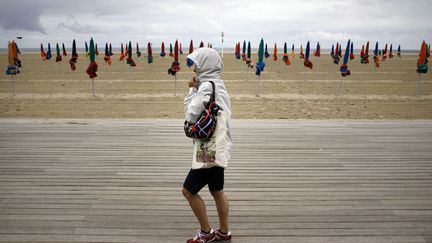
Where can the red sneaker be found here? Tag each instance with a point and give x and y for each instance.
(223, 237)
(201, 237)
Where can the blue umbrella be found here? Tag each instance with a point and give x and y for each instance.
(48, 54)
(307, 62)
(266, 54)
(244, 51)
(344, 68)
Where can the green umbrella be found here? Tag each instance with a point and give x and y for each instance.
(260, 64)
(92, 51)
(58, 57)
(129, 59)
(92, 68)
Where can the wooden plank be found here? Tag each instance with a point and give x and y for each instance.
(290, 180)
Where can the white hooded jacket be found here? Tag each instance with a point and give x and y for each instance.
(209, 67)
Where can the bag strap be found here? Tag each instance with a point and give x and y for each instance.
(213, 95)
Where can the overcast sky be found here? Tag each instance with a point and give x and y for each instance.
(294, 21)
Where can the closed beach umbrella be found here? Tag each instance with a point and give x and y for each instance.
(366, 56)
(149, 53)
(162, 54)
(362, 55)
(42, 52)
(201, 44)
(96, 50)
(422, 61)
(110, 50)
(307, 62)
(64, 50)
(13, 62)
(318, 50)
(260, 64)
(275, 53)
(92, 68)
(175, 66)
(285, 57)
(352, 51)
(107, 57)
(249, 60)
(138, 52)
(399, 51)
(86, 50)
(266, 54)
(336, 57)
(191, 47)
(58, 56)
(74, 57)
(244, 51)
(391, 51)
(376, 56)
(180, 49)
(422, 64)
(48, 54)
(344, 68)
(129, 59)
(332, 51)
(237, 51)
(301, 52)
(122, 54)
(171, 54)
(292, 51)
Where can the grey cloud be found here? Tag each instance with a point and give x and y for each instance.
(21, 15)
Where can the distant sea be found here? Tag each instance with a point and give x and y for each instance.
(185, 50)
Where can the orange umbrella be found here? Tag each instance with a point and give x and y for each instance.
(275, 52)
(122, 54)
(42, 52)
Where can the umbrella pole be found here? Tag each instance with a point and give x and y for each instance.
(93, 85)
(175, 83)
(247, 74)
(13, 84)
(258, 86)
(305, 74)
(340, 88)
(418, 86)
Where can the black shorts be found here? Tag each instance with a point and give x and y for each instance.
(197, 179)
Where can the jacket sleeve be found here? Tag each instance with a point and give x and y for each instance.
(196, 100)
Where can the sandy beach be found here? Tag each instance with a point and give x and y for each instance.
(46, 89)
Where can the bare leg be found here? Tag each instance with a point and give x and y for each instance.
(222, 205)
(199, 209)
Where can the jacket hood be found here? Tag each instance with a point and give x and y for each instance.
(208, 63)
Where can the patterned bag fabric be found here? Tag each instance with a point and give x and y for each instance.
(206, 124)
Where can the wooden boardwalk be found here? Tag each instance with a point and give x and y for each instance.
(288, 181)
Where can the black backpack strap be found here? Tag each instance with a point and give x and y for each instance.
(213, 96)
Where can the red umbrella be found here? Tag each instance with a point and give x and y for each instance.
(64, 50)
(237, 51)
(149, 53)
(191, 47)
(175, 66)
(42, 52)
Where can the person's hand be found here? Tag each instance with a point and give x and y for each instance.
(193, 83)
